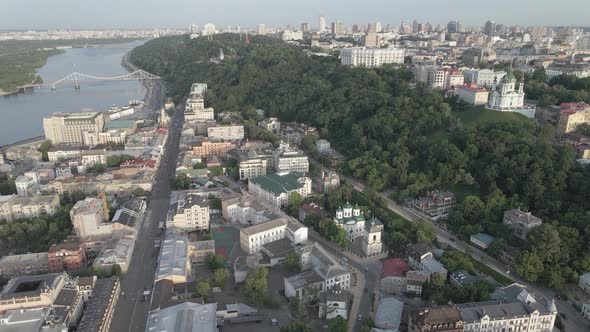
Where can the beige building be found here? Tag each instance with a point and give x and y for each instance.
(64, 152)
(572, 115)
(87, 217)
(69, 128)
(192, 214)
(114, 136)
(521, 222)
(213, 148)
(287, 159)
(32, 291)
(230, 133)
(471, 94)
(14, 207)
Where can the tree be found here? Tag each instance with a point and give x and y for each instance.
(297, 308)
(255, 285)
(216, 203)
(216, 170)
(295, 327)
(199, 166)
(214, 261)
(203, 289)
(454, 260)
(117, 160)
(292, 263)
(529, 266)
(425, 233)
(139, 192)
(337, 324)
(44, 148)
(220, 276)
(116, 270)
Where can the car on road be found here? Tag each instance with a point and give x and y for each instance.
(345, 259)
(359, 317)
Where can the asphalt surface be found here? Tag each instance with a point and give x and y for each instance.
(132, 312)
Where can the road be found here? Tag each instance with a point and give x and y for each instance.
(574, 322)
(132, 312)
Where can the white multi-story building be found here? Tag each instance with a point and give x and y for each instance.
(484, 78)
(287, 159)
(521, 222)
(321, 271)
(254, 237)
(271, 124)
(69, 128)
(64, 152)
(287, 35)
(93, 157)
(112, 136)
(445, 78)
(508, 316)
(245, 209)
(23, 184)
(192, 214)
(277, 189)
(371, 57)
(13, 207)
(229, 133)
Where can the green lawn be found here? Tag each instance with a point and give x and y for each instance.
(475, 116)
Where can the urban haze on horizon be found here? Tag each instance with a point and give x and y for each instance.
(143, 14)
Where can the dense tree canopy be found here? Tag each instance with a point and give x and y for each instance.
(400, 137)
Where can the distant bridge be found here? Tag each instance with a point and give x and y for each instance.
(77, 77)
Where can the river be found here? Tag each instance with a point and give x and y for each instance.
(21, 115)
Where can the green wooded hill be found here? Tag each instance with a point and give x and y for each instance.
(403, 138)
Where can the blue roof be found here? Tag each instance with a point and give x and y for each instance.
(485, 238)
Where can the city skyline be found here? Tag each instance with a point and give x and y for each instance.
(184, 12)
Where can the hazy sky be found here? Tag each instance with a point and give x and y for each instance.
(77, 14)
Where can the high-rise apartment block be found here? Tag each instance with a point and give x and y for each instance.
(69, 128)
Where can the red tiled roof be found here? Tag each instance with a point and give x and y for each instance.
(571, 108)
(471, 87)
(395, 267)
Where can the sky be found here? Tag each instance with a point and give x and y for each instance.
(103, 14)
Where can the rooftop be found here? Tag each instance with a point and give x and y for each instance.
(258, 228)
(304, 278)
(389, 313)
(524, 217)
(30, 286)
(188, 317)
(485, 238)
(394, 267)
(444, 314)
(97, 305)
(173, 258)
(24, 259)
(120, 124)
(278, 184)
(473, 312)
(278, 248)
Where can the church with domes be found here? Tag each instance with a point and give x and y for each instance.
(360, 228)
(505, 97)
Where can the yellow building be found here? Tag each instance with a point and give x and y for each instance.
(572, 115)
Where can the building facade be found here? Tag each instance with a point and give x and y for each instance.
(371, 57)
(67, 256)
(277, 189)
(471, 94)
(230, 133)
(571, 115)
(69, 128)
(192, 214)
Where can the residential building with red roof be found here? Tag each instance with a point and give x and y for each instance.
(471, 94)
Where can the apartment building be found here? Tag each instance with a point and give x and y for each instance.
(90, 158)
(445, 78)
(230, 132)
(67, 256)
(32, 291)
(483, 78)
(277, 189)
(24, 185)
(14, 207)
(245, 209)
(191, 214)
(435, 204)
(208, 148)
(64, 152)
(421, 258)
(69, 128)
(21, 265)
(571, 115)
(584, 282)
(508, 316)
(521, 222)
(371, 57)
(88, 215)
(287, 159)
(114, 136)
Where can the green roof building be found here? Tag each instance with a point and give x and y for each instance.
(277, 188)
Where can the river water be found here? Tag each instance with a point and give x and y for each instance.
(21, 116)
